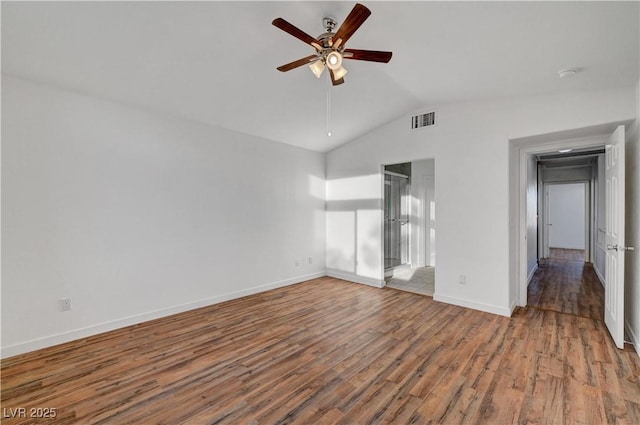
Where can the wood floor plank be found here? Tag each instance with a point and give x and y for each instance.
(567, 286)
(327, 352)
(567, 254)
(583, 404)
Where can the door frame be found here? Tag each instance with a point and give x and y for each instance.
(523, 149)
(382, 220)
(408, 222)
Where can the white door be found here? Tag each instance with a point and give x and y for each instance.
(614, 269)
(567, 208)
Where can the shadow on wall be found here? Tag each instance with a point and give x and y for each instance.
(353, 237)
(317, 187)
(354, 214)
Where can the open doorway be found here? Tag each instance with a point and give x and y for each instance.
(397, 186)
(568, 207)
(608, 234)
(409, 226)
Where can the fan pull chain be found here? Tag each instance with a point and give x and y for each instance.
(328, 106)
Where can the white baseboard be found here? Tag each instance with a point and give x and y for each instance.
(352, 277)
(635, 337)
(488, 308)
(60, 338)
(531, 273)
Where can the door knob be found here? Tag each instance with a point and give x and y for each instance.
(622, 248)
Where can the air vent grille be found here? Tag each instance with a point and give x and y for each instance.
(423, 120)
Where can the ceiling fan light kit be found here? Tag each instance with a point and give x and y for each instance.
(317, 68)
(330, 46)
(334, 60)
(339, 73)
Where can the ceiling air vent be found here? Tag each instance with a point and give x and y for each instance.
(423, 120)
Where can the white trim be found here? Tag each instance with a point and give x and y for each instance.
(588, 236)
(521, 246)
(523, 150)
(635, 341)
(558, 246)
(540, 220)
(352, 277)
(75, 334)
(533, 271)
(488, 308)
(512, 306)
(383, 181)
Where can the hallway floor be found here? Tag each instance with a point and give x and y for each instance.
(566, 284)
(567, 254)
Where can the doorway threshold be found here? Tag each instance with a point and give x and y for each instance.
(390, 271)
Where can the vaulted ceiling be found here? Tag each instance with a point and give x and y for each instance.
(214, 62)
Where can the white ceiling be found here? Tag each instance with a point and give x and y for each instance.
(214, 62)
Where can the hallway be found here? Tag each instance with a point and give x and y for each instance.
(566, 284)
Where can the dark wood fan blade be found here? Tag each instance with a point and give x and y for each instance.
(296, 64)
(333, 79)
(356, 17)
(296, 32)
(367, 55)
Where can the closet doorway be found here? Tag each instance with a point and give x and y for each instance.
(409, 226)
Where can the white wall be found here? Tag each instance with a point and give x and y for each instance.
(632, 232)
(422, 224)
(431, 221)
(567, 215)
(135, 215)
(470, 145)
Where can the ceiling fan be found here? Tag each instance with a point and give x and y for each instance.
(330, 46)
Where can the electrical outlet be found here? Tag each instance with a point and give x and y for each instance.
(310, 260)
(297, 262)
(462, 279)
(66, 304)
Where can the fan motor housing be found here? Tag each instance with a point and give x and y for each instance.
(329, 24)
(325, 39)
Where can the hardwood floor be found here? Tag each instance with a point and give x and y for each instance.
(567, 286)
(567, 254)
(332, 352)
